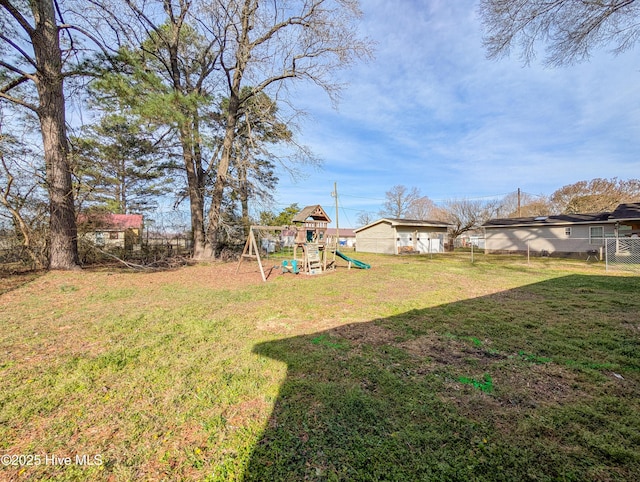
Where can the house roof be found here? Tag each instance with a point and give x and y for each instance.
(314, 212)
(412, 223)
(109, 221)
(624, 212)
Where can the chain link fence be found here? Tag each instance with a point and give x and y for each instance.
(623, 254)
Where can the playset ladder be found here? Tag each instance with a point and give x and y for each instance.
(313, 261)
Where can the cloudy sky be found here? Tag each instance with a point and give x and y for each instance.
(431, 111)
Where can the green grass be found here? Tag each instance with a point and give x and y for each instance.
(418, 369)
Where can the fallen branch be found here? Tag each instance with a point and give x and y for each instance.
(113, 256)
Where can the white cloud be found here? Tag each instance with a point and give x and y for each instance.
(430, 111)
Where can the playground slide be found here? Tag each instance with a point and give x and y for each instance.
(354, 262)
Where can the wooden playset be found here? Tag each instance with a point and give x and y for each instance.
(311, 228)
(310, 249)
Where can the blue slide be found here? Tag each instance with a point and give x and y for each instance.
(354, 262)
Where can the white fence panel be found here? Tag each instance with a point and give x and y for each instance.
(623, 253)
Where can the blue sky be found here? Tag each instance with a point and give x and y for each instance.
(431, 111)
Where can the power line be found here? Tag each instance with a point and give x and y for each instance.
(476, 198)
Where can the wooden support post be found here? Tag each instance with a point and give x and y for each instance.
(247, 246)
(248, 252)
(264, 278)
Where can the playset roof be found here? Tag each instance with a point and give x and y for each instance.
(314, 212)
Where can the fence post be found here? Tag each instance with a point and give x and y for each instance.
(528, 253)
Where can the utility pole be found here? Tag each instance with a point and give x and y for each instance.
(335, 195)
(519, 209)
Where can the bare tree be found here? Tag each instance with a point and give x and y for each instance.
(21, 195)
(422, 208)
(597, 195)
(31, 48)
(399, 201)
(571, 29)
(402, 202)
(266, 44)
(465, 214)
(364, 218)
(528, 205)
(539, 206)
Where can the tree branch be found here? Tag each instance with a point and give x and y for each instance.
(26, 26)
(15, 46)
(301, 21)
(18, 101)
(14, 83)
(16, 70)
(91, 37)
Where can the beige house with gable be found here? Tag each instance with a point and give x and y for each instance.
(396, 236)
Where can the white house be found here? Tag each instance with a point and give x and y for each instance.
(346, 237)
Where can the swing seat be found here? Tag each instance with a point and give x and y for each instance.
(290, 269)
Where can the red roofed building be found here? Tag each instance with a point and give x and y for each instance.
(112, 230)
(347, 237)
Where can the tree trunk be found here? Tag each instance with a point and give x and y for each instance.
(243, 53)
(63, 237)
(195, 186)
(221, 176)
(244, 198)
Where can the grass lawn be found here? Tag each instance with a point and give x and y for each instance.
(418, 369)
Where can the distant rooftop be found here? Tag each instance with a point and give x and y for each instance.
(629, 211)
(108, 221)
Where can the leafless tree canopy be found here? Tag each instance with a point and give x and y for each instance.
(597, 195)
(569, 29)
(21, 196)
(528, 205)
(398, 201)
(466, 214)
(423, 209)
(268, 45)
(364, 218)
(408, 203)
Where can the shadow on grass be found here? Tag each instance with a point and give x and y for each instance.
(12, 280)
(536, 383)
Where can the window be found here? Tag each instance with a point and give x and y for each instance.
(567, 232)
(113, 235)
(596, 235)
(624, 230)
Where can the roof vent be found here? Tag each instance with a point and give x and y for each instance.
(541, 218)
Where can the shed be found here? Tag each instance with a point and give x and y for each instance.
(112, 230)
(395, 236)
